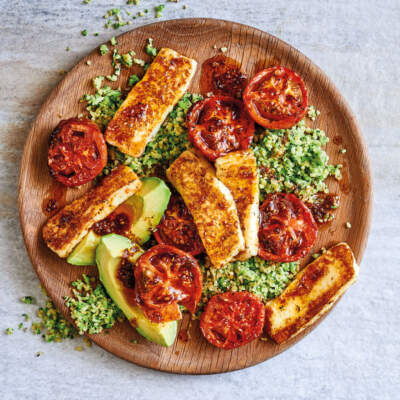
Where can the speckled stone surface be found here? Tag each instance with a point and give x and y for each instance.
(355, 352)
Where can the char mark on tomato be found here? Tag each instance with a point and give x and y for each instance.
(222, 76)
(77, 152)
(232, 319)
(165, 277)
(219, 125)
(287, 228)
(276, 98)
(178, 229)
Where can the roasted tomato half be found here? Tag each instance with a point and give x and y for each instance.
(165, 277)
(77, 152)
(232, 319)
(221, 75)
(276, 98)
(287, 228)
(178, 229)
(218, 125)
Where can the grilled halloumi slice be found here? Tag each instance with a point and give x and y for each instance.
(238, 172)
(211, 204)
(66, 229)
(150, 101)
(312, 293)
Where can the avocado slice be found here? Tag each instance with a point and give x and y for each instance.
(153, 199)
(108, 258)
(85, 252)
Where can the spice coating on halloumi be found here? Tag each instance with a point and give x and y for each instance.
(150, 101)
(211, 204)
(312, 293)
(238, 172)
(67, 228)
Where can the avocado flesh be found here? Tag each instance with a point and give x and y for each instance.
(153, 198)
(85, 252)
(108, 257)
(148, 206)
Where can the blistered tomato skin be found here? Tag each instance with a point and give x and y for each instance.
(77, 152)
(178, 229)
(222, 76)
(219, 125)
(287, 228)
(165, 277)
(276, 98)
(232, 319)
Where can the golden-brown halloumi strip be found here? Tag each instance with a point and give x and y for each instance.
(312, 293)
(238, 172)
(150, 101)
(211, 204)
(67, 228)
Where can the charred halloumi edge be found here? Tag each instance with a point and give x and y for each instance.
(66, 229)
(155, 90)
(238, 172)
(289, 314)
(211, 204)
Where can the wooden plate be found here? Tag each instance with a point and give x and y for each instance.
(198, 38)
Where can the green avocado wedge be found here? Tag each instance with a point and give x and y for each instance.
(108, 258)
(153, 199)
(85, 252)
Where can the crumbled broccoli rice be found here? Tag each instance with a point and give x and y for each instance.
(133, 79)
(97, 81)
(127, 60)
(293, 160)
(91, 308)
(312, 113)
(53, 326)
(103, 49)
(103, 104)
(159, 9)
(28, 300)
(263, 278)
(150, 49)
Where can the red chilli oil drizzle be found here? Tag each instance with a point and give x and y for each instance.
(125, 275)
(55, 199)
(119, 222)
(324, 207)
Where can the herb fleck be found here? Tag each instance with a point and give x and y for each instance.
(28, 300)
(150, 49)
(159, 9)
(133, 79)
(103, 49)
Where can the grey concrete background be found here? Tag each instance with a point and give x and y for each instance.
(355, 352)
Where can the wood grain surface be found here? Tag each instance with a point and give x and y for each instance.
(194, 38)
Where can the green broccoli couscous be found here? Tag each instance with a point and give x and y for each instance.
(91, 308)
(265, 279)
(293, 160)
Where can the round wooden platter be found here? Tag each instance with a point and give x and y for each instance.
(200, 39)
